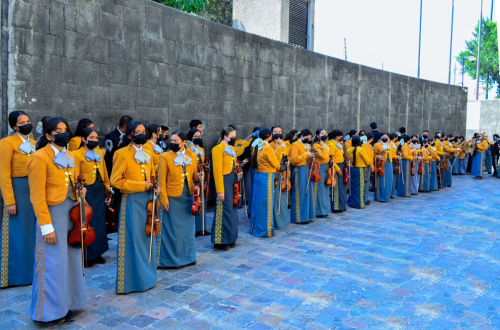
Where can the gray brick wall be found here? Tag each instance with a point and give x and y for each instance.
(102, 59)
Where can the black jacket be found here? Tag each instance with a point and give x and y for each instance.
(376, 136)
(111, 141)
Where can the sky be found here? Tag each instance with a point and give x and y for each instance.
(385, 32)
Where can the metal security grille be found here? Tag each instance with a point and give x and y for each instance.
(298, 25)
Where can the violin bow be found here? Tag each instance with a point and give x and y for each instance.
(280, 181)
(202, 198)
(310, 170)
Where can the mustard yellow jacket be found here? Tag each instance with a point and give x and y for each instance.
(128, 175)
(223, 164)
(12, 165)
(48, 183)
(88, 169)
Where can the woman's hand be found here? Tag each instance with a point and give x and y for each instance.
(339, 173)
(239, 175)
(157, 190)
(50, 238)
(81, 192)
(165, 207)
(220, 196)
(148, 185)
(309, 154)
(200, 177)
(11, 209)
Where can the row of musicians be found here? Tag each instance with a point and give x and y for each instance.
(38, 190)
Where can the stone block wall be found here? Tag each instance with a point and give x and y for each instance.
(483, 116)
(102, 59)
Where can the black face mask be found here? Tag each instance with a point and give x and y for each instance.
(197, 141)
(61, 139)
(323, 138)
(385, 140)
(306, 141)
(232, 141)
(159, 138)
(92, 144)
(139, 138)
(414, 141)
(278, 136)
(25, 129)
(175, 147)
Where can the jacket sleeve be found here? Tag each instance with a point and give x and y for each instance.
(6, 173)
(105, 179)
(118, 180)
(37, 177)
(217, 159)
(162, 179)
(366, 158)
(271, 157)
(320, 153)
(407, 153)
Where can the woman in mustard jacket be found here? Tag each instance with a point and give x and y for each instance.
(76, 141)
(58, 284)
(93, 170)
(339, 199)
(321, 190)
(225, 224)
(266, 164)
(404, 184)
(17, 253)
(281, 150)
(177, 174)
(300, 155)
(480, 147)
(132, 172)
(383, 184)
(194, 136)
(359, 160)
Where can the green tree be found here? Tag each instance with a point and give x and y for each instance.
(489, 71)
(220, 11)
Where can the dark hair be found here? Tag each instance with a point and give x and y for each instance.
(129, 132)
(232, 126)
(424, 141)
(369, 136)
(194, 123)
(356, 142)
(255, 129)
(181, 135)
(164, 128)
(352, 132)
(275, 126)
(82, 124)
(414, 136)
(336, 133)
(426, 131)
(49, 126)
(191, 133)
(86, 132)
(264, 133)
(392, 136)
(305, 132)
(402, 130)
(125, 120)
(290, 135)
(225, 132)
(152, 128)
(14, 116)
(373, 125)
(362, 133)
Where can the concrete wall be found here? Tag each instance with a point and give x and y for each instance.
(483, 116)
(102, 59)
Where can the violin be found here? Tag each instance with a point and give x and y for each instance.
(236, 188)
(111, 224)
(381, 165)
(346, 172)
(283, 180)
(206, 177)
(420, 166)
(153, 223)
(412, 165)
(82, 233)
(313, 170)
(198, 193)
(330, 180)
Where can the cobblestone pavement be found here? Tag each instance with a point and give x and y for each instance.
(431, 261)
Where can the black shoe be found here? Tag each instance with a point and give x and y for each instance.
(70, 316)
(89, 263)
(222, 247)
(489, 172)
(367, 203)
(232, 245)
(392, 197)
(191, 264)
(99, 260)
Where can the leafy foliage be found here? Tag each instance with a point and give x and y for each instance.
(220, 11)
(489, 71)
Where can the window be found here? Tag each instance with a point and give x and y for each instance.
(298, 24)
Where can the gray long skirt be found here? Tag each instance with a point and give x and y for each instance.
(367, 184)
(178, 246)
(225, 224)
(415, 179)
(339, 192)
(58, 283)
(280, 219)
